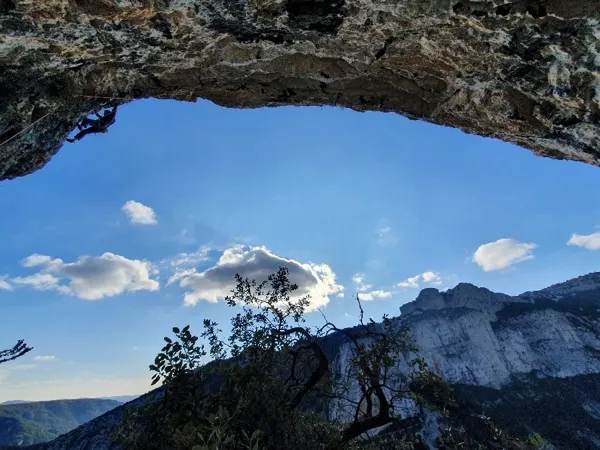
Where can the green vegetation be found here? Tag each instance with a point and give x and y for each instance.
(272, 380)
(31, 423)
(554, 407)
(18, 350)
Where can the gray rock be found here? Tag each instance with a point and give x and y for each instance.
(524, 72)
(470, 336)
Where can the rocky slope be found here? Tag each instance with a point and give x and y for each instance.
(531, 362)
(515, 357)
(525, 71)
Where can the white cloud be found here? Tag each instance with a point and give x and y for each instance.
(44, 358)
(502, 253)
(35, 260)
(5, 285)
(42, 282)
(92, 277)
(191, 259)
(431, 278)
(364, 289)
(412, 282)
(358, 278)
(139, 213)
(385, 236)
(383, 231)
(368, 296)
(589, 241)
(215, 283)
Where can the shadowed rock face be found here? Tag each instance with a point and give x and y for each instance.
(524, 72)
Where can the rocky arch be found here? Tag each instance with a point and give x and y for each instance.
(524, 71)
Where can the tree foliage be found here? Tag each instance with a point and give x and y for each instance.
(271, 381)
(18, 350)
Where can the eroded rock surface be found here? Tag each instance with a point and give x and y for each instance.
(525, 71)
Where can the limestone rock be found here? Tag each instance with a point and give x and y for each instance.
(524, 71)
(479, 339)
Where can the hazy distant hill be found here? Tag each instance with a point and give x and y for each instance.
(122, 398)
(31, 423)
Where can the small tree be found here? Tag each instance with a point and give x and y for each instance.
(271, 381)
(18, 350)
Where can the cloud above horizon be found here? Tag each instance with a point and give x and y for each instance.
(5, 285)
(372, 295)
(385, 236)
(190, 259)
(89, 277)
(431, 278)
(35, 260)
(44, 358)
(588, 241)
(256, 263)
(502, 254)
(364, 289)
(139, 213)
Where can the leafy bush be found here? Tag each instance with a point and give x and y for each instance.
(270, 382)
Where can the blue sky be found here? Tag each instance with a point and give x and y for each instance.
(365, 202)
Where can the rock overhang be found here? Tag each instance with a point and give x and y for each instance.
(526, 72)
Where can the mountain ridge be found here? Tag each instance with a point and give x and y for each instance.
(30, 423)
(502, 348)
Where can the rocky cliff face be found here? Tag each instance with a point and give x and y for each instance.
(532, 362)
(525, 71)
(473, 336)
(518, 351)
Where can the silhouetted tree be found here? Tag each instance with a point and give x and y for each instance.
(272, 380)
(15, 352)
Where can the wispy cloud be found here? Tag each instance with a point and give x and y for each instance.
(5, 285)
(364, 289)
(368, 296)
(21, 366)
(35, 260)
(588, 241)
(190, 259)
(90, 277)
(385, 236)
(431, 278)
(358, 278)
(215, 283)
(139, 213)
(503, 253)
(42, 282)
(383, 231)
(45, 358)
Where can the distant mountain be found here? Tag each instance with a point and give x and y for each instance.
(26, 423)
(122, 398)
(530, 362)
(118, 398)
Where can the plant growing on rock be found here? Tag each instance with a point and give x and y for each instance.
(272, 381)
